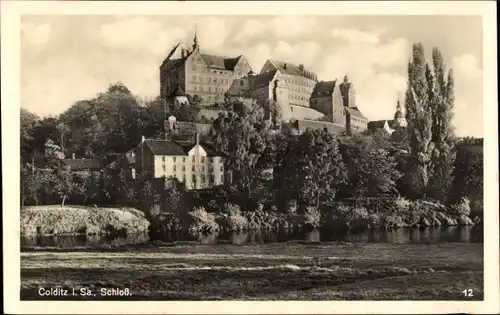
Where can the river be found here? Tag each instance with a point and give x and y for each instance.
(462, 234)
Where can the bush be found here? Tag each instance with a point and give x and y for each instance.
(401, 205)
(202, 221)
(462, 208)
(312, 217)
(165, 222)
(154, 211)
(57, 220)
(232, 219)
(291, 207)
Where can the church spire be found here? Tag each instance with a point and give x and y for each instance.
(398, 106)
(195, 40)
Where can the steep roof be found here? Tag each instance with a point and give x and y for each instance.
(178, 92)
(324, 88)
(262, 79)
(177, 148)
(379, 124)
(220, 62)
(355, 112)
(83, 164)
(287, 67)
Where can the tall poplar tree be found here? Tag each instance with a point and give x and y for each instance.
(442, 129)
(429, 103)
(419, 118)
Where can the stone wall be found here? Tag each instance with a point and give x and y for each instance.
(303, 124)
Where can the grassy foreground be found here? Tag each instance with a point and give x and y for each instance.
(277, 271)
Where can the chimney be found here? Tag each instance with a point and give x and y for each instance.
(73, 156)
(301, 67)
(183, 53)
(197, 138)
(284, 66)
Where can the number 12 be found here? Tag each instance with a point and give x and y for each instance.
(467, 292)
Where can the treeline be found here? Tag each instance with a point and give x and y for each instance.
(265, 163)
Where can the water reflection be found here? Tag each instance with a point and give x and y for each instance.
(398, 236)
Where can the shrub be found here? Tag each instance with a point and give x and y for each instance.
(401, 205)
(312, 217)
(232, 219)
(462, 208)
(202, 221)
(291, 207)
(154, 210)
(165, 222)
(50, 220)
(394, 221)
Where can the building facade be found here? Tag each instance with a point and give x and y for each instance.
(300, 81)
(327, 99)
(195, 164)
(196, 73)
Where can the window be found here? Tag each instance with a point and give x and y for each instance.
(194, 67)
(163, 159)
(209, 89)
(194, 78)
(193, 158)
(175, 168)
(163, 167)
(241, 82)
(183, 168)
(183, 160)
(173, 159)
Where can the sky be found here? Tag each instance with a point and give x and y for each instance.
(69, 58)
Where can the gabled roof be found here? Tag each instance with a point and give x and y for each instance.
(287, 67)
(262, 79)
(177, 148)
(83, 164)
(162, 147)
(355, 112)
(220, 62)
(178, 92)
(379, 124)
(324, 88)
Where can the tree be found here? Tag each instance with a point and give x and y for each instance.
(64, 185)
(246, 143)
(28, 124)
(467, 174)
(174, 195)
(418, 116)
(429, 103)
(442, 129)
(371, 168)
(314, 166)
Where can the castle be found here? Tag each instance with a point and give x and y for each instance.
(303, 100)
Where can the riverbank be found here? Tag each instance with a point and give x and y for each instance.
(71, 220)
(331, 271)
(398, 213)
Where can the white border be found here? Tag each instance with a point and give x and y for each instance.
(10, 54)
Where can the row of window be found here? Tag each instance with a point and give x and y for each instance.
(201, 169)
(300, 82)
(183, 159)
(209, 80)
(209, 89)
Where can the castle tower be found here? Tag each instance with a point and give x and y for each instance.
(399, 117)
(195, 40)
(348, 92)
